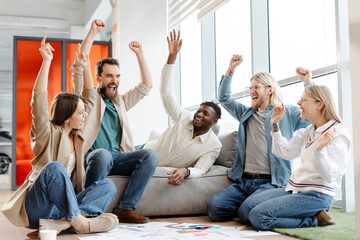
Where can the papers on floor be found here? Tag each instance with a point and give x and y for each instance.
(175, 231)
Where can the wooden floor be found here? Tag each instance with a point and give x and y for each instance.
(10, 232)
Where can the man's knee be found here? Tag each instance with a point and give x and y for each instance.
(109, 186)
(209, 207)
(212, 209)
(244, 210)
(151, 156)
(99, 157)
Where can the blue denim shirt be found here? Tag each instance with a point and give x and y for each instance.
(291, 121)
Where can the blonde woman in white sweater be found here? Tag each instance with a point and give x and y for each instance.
(324, 148)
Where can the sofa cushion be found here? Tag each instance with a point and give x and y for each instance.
(160, 198)
(228, 150)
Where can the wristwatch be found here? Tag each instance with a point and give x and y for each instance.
(188, 172)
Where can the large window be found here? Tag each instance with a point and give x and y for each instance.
(272, 35)
(233, 36)
(302, 33)
(292, 93)
(191, 92)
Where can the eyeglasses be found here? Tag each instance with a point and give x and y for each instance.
(256, 87)
(303, 99)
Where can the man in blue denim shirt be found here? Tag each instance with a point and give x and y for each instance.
(255, 167)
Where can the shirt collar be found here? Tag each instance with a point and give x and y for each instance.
(325, 126)
(202, 137)
(320, 129)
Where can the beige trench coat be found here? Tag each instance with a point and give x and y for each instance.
(49, 143)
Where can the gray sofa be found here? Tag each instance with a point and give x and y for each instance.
(192, 195)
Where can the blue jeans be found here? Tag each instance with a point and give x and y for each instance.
(139, 165)
(52, 196)
(224, 205)
(279, 209)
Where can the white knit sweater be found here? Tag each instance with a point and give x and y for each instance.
(320, 171)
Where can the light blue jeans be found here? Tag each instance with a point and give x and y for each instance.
(224, 205)
(279, 209)
(139, 165)
(52, 196)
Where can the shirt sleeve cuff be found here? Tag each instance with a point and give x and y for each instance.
(228, 78)
(276, 135)
(168, 67)
(309, 84)
(196, 172)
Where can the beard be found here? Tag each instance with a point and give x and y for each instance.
(260, 101)
(201, 127)
(104, 91)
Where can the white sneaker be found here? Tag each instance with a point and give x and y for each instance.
(102, 223)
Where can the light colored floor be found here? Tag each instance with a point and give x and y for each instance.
(10, 232)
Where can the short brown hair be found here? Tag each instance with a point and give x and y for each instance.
(63, 107)
(100, 64)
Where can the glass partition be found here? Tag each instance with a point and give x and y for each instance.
(27, 62)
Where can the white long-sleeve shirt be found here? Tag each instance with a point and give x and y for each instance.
(319, 171)
(176, 147)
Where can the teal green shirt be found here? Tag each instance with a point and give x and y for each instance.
(110, 133)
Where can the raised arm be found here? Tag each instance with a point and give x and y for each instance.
(85, 47)
(167, 94)
(82, 60)
(304, 74)
(88, 92)
(235, 61)
(96, 27)
(234, 107)
(145, 74)
(174, 44)
(39, 132)
(41, 82)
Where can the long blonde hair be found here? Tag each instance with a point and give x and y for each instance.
(323, 94)
(266, 79)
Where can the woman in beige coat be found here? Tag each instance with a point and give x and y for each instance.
(47, 199)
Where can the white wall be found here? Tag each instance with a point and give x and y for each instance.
(354, 32)
(29, 18)
(144, 21)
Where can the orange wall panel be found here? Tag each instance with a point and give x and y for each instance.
(97, 53)
(28, 65)
(29, 61)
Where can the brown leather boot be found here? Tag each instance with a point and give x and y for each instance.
(324, 219)
(129, 216)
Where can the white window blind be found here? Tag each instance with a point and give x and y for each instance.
(179, 10)
(206, 7)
